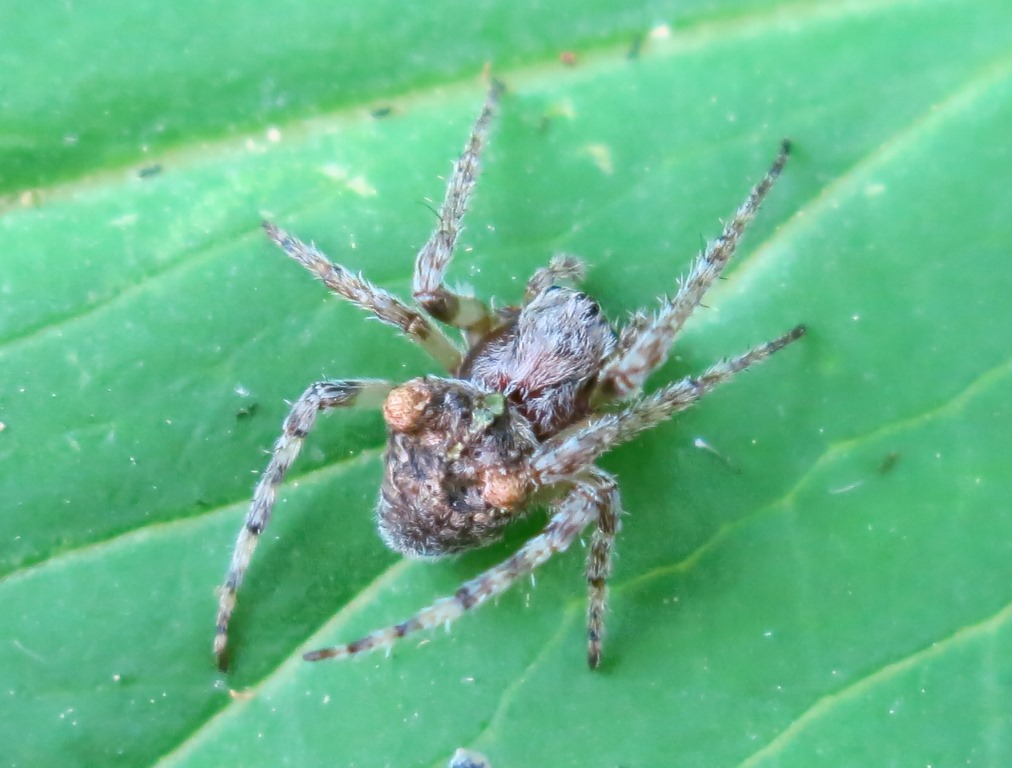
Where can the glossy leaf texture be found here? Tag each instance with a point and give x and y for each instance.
(816, 563)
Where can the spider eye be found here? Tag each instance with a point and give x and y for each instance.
(593, 308)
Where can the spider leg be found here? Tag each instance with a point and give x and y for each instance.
(363, 294)
(564, 455)
(599, 569)
(580, 507)
(433, 259)
(625, 373)
(563, 268)
(321, 396)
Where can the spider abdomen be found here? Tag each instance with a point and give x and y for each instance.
(453, 474)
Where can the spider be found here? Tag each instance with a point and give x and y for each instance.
(536, 395)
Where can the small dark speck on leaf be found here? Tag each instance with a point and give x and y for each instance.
(889, 462)
(247, 412)
(634, 48)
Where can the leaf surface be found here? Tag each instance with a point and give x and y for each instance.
(816, 564)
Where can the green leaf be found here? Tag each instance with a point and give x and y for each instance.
(816, 564)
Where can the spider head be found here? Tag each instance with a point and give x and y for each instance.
(455, 466)
(546, 359)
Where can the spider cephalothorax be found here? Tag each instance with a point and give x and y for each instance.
(541, 390)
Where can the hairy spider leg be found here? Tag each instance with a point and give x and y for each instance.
(563, 268)
(602, 545)
(591, 492)
(363, 294)
(429, 290)
(324, 395)
(568, 453)
(646, 347)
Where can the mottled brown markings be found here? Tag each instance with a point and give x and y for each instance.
(466, 597)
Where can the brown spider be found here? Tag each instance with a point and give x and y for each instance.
(520, 421)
